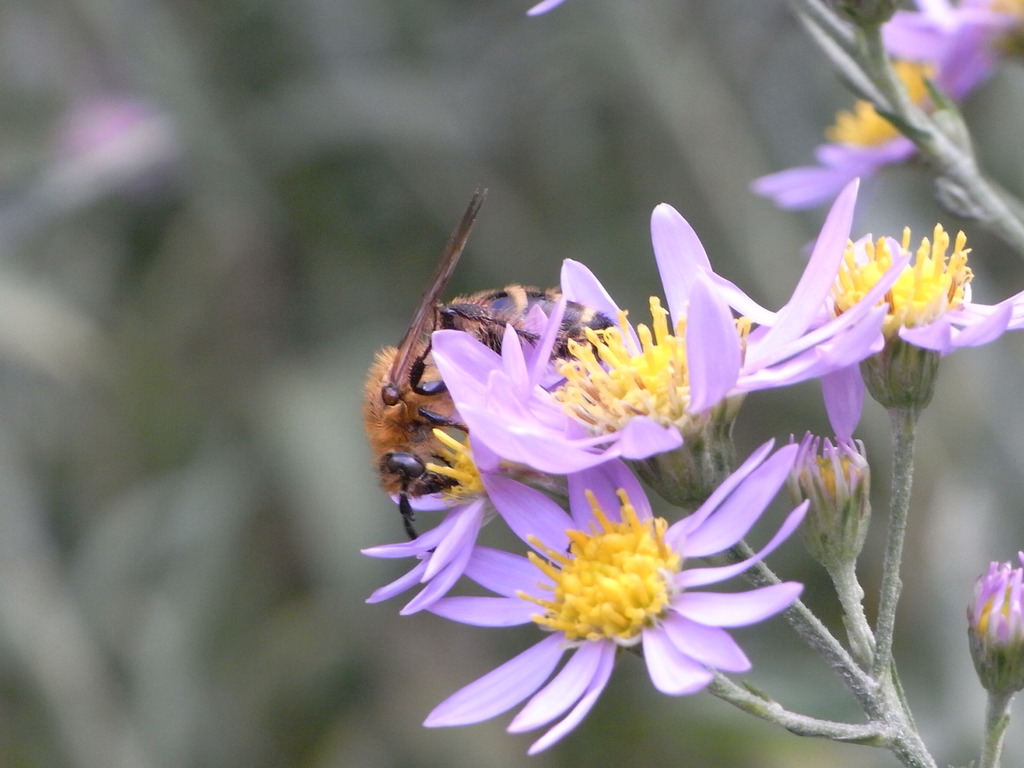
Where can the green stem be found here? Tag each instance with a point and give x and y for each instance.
(997, 717)
(955, 161)
(813, 632)
(755, 703)
(890, 721)
(851, 598)
(904, 423)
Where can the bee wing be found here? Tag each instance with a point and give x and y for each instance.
(425, 312)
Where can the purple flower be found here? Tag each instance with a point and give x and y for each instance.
(612, 576)
(929, 307)
(964, 38)
(638, 391)
(862, 141)
(507, 403)
(995, 622)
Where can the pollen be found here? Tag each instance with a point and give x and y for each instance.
(459, 466)
(933, 284)
(616, 377)
(614, 580)
(864, 126)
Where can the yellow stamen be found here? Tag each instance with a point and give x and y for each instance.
(931, 285)
(459, 466)
(864, 126)
(612, 380)
(1005, 600)
(614, 581)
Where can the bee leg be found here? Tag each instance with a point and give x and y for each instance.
(440, 421)
(416, 370)
(407, 515)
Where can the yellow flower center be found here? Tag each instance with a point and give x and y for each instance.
(864, 126)
(612, 380)
(459, 466)
(931, 285)
(614, 580)
(826, 474)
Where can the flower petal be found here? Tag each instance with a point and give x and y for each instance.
(501, 689)
(712, 346)
(529, 512)
(843, 391)
(458, 357)
(562, 691)
(467, 519)
(422, 544)
(513, 359)
(441, 582)
(500, 571)
(579, 284)
(737, 514)
(819, 276)
(544, 7)
(680, 255)
(677, 533)
(671, 670)
(517, 434)
(597, 684)
(485, 611)
(711, 646)
(540, 358)
(643, 437)
(737, 609)
(399, 585)
(803, 187)
(943, 337)
(694, 577)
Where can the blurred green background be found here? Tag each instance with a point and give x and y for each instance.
(212, 213)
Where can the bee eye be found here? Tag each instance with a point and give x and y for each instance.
(404, 464)
(390, 394)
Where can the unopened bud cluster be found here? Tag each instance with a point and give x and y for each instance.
(836, 480)
(995, 628)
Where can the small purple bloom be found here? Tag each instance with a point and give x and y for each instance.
(995, 623)
(644, 596)
(964, 37)
(929, 307)
(862, 141)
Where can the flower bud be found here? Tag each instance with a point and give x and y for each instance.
(836, 479)
(868, 12)
(902, 375)
(995, 628)
(688, 475)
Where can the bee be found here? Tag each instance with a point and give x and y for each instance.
(405, 399)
